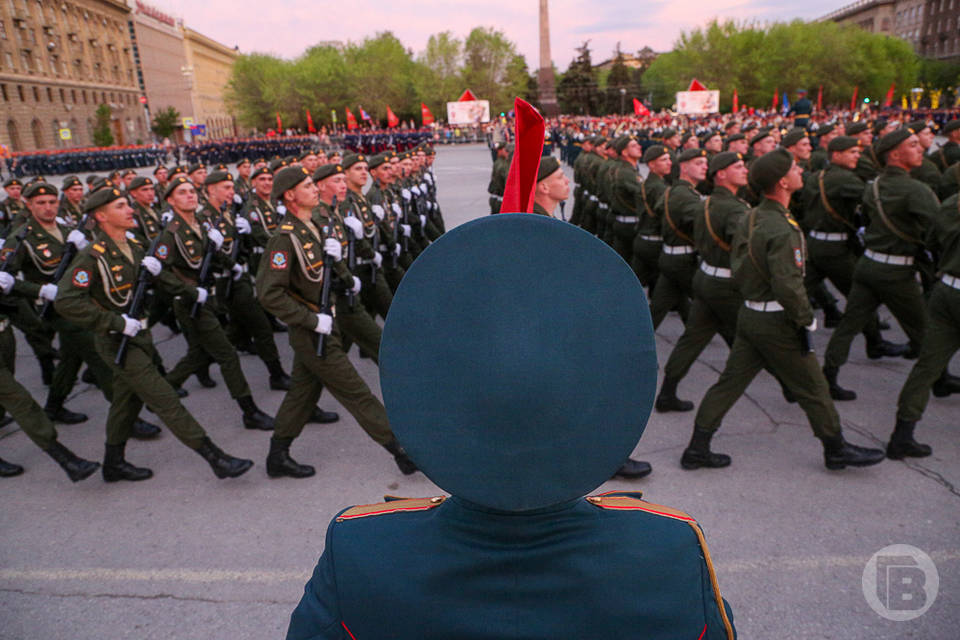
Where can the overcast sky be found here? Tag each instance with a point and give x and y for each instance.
(288, 27)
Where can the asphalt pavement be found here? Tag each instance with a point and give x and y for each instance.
(185, 555)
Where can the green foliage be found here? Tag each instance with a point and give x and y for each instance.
(757, 60)
(165, 122)
(102, 135)
(941, 75)
(577, 88)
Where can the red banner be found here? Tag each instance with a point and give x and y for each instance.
(466, 96)
(279, 124)
(820, 98)
(853, 100)
(425, 114)
(773, 105)
(351, 120)
(392, 119)
(310, 127)
(888, 101)
(695, 85)
(736, 101)
(640, 109)
(522, 177)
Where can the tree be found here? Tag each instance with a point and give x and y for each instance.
(491, 69)
(577, 88)
(102, 135)
(165, 122)
(438, 76)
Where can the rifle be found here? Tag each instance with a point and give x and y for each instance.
(396, 235)
(65, 259)
(563, 205)
(7, 261)
(351, 255)
(234, 254)
(205, 279)
(139, 299)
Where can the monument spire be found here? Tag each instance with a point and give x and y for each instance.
(548, 95)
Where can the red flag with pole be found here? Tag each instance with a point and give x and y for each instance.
(425, 114)
(351, 120)
(467, 96)
(736, 101)
(279, 123)
(392, 119)
(522, 178)
(310, 127)
(853, 100)
(640, 109)
(696, 85)
(820, 98)
(773, 105)
(888, 101)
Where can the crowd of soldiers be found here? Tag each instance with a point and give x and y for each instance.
(739, 227)
(226, 260)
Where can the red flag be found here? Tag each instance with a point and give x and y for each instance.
(696, 86)
(736, 101)
(888, 101)
(820, 98)
(853, 100)
(773, 105)
(640, 109)
(466, 96)
(392, 119)
(425, 114)
(522, 178)
(310, 127)
(279, 124)
(351, 120)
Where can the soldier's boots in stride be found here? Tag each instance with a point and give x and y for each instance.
(902, 445)
(116, 468)
(280, 464)
(667, 399)
(698, 454)
(633, 469)
(836, 391)
(253, 418)
(9, 470)
(76, 468)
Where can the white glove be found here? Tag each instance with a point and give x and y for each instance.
(152, 265)
(406, 194)
(243, 226)
(378, 211)
(423, 188)
(397, 209)
(215, 237)
(6, 282)
(130, 235)
(423, 220)
(166, 216)
(282, 210)
(324, 324)
(201, 295)
(356, 286)
(812, 326)
(77, 239)
(333, 248)
(237, 270)
(48, 292)
(396, 249)
(415, 189)
(428, 178)
(405, 228)
(62, 221)
(354, 224)
(377, 259)
(131, 326)
(237, 198)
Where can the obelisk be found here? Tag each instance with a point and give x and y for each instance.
(548, 94)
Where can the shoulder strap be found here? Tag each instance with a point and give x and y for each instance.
(394, 506)
(720, 242)
(828, 207)
(886, 221)
(666, 215)
(643, 196)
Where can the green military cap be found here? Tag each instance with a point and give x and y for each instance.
(175, 182)
(375, 161)
(951, 126)
(548, 166)
(500, 145)
(750, 126)
(793, 137)
(35, 179)
(140, 181)
(825, 129)
(221, 167)
(769, 168)
(261, 171)
(39, 189)
(723, 160)
(653, 152)
(286, 179)
(621, 143)
(325, 171)
(196, 166)
(353, 158)
(729, 125)
(259, 160)
(760, 135)
(890, 141)
(276, 164)
(127, 172)
(430, 150)
(101, 197)
(735, 137)
(685, 137)
(308, 152)
(13, 182)
(842, 143)
(669, 132)
(918, 125)
(599, 141)
(244, 161)
(101, 183)
(218, 176)
(879, 125)
(71, 181)
(692, 154)
(92, 178)
(159, 166)
(854, 128)
(709, 134)
(177, 170)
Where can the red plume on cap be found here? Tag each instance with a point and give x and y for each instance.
(528, 149)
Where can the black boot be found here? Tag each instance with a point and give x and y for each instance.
(77, 468)
(884, 349)
(5, 418)
(57, 413)
(836, 391)
(253, 418)
(319, 416)
(667, 400)
(143, 430)
(838, 454)
(181, 392)
(223, 465)
(406, 465)
(902, 445)
(8, 469)
(831, 316)
(279, 462)
(203, 377)
(116, 467)
(698, 454)
(88, 377)
(47, 366)
(945, 385)
(279, 380)
(633, 469)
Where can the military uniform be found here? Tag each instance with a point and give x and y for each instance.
(648, 243)
(678, 208)
(264, 221)
(498, 181)
(375, 294)
(625, 204)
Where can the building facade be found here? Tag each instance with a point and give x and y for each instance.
(932, 27)
(875, 16)
(59, 61)
(208, 69)
(940, 31)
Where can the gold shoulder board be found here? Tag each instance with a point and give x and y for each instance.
(394, 506)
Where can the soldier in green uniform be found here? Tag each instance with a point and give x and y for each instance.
(625, 194)
(648, 242)
(928, 173)
(289, 285)
(592, 202)
(899, 212)
(498, 177)
(12, 208)
(604, 185)
(867, 164)
(942, 337)
(579, 195)
(160, 177)
(70, 211)
(385, 208)
(181, 248)
(553, 187)
(820, 158)
(767, 260)
(149, 224)
(261, 213)
(948, 154)
(97, 296)
(678, 260)
(242, 185)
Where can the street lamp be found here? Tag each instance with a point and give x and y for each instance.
(623, 95)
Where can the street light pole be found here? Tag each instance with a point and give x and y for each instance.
(623, 95)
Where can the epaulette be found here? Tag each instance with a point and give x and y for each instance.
(286, 227)
(99, 247)
(619, 501)
(394, 506)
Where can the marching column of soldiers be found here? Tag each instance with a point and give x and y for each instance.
(738, 230)
(226, 260)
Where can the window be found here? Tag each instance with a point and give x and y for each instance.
(49, 94)
(20, 91)
(63, 97)
(26, 60)
(3, 90)
(9, 58)
(84, 96)
(73, 96)
(54, 67)
(3, 30)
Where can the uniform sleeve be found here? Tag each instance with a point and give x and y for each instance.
(273, 285)
(719, 623)
(75, 302)
(317, 616)
(785, 260)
